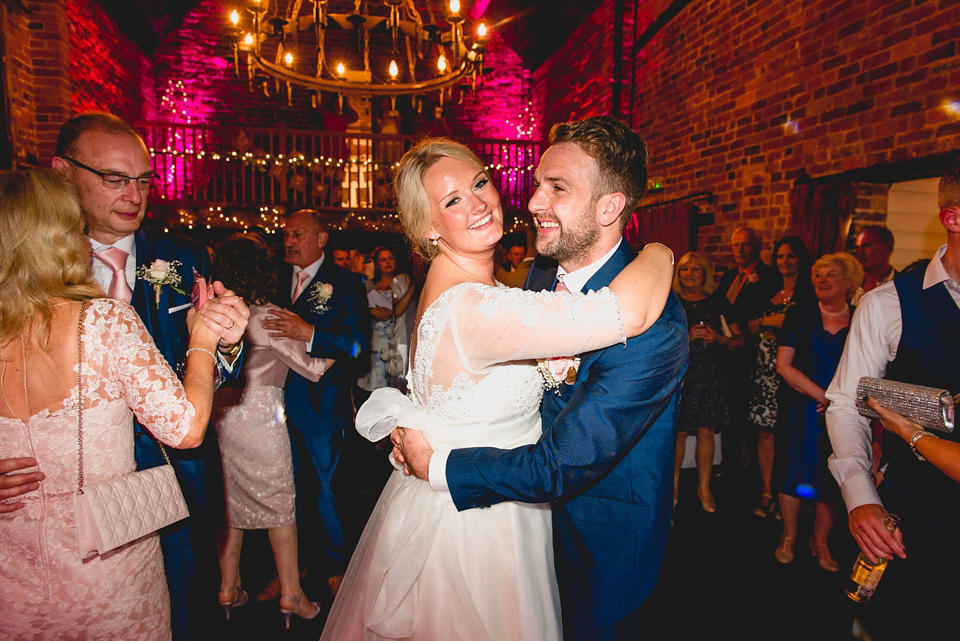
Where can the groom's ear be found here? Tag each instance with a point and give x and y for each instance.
(609, 207)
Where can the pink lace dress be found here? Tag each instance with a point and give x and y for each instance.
(46, 591)
(252, 430)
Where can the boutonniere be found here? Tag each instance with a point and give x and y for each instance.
(753, 277)
(320, 295)
(160, 273)
(561, 369)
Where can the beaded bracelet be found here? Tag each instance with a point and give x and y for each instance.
(205, 351)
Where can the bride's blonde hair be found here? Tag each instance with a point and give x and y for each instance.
(413, 205)
(43, 252)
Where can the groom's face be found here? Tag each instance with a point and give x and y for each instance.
(563, 205)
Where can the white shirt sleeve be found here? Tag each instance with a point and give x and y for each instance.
(872, 343)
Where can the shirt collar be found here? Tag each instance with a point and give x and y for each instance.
(936, 273)
(127, 244)
(311, 269)
(577, 279)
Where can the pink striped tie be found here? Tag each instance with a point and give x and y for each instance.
(116, 260)
(302, 278)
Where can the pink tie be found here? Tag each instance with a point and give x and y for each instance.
(116, 260)
(561, 287)
(302, 278)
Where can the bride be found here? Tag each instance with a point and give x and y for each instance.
(422, 570)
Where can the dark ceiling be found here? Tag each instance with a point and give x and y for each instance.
(532, 28)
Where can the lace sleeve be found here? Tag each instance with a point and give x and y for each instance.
(497, 325)
(141, 375)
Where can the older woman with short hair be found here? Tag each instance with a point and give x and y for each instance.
(705, 403)
(809, 351)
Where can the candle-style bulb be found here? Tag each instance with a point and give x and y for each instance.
(341, 69)
(288, 58)
(482, 30)
(234, 18)
(442, 63)
(454, 6)
(394, 70)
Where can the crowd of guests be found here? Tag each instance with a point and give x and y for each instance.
(765, 344)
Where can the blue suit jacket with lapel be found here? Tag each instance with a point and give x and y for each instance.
(606, 455)
(342, 332)
(198, 469)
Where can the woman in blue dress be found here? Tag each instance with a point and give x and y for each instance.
(809, 351)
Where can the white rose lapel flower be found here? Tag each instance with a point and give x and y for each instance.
(160, 273)
(561, 369)
(320, 295)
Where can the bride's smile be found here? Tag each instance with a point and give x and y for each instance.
(465, 208)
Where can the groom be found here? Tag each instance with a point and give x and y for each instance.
(606, 454)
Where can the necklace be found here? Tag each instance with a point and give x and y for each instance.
(833, 314)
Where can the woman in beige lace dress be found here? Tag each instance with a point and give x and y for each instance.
(254, 443)
(46, 591)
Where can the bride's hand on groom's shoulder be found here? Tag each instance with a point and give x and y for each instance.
(411, 449)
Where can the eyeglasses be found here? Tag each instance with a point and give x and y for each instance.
(117, 181)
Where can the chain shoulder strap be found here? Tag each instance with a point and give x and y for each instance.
(83, 309)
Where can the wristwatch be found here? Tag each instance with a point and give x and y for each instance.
(233, 351)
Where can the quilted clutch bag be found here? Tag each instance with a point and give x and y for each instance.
(122, 509)
(928, 407)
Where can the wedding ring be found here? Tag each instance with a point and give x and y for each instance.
(232, 323)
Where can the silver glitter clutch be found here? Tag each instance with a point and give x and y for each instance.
(928, 407)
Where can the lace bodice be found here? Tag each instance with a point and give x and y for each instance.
(474, 371)
(123, 370)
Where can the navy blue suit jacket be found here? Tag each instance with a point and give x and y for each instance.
(606, 457)
(197, 469)
(341, 332)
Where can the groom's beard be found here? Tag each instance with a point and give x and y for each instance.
(575, 239)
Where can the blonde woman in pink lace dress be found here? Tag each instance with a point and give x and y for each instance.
(46, 590)
(254, 443)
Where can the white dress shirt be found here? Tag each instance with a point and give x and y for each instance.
(872, 344)
(575, 282)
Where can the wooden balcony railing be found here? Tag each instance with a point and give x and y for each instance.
(239, 166)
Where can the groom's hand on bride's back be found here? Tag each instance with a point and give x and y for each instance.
(411, 449)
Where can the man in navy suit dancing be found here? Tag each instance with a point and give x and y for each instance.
(111, 167)
(606, 454)
(327, 310)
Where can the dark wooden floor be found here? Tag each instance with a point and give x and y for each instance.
(720, 579)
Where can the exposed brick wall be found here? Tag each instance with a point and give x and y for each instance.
(62, 57)
(107, 70)
(37, 78)
(738, 96)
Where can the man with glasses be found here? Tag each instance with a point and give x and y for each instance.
(111, 167)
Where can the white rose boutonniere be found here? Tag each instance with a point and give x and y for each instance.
(562, 369)
(160, 273)
(320, 295)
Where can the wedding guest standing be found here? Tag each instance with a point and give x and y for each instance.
(387, 361)
(793, 262)
(50, 314)
(704, 402)
(809, 350)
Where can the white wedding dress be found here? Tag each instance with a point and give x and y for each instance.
(422, 570)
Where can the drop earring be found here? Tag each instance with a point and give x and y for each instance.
(434, 241)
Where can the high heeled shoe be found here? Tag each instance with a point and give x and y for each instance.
(784, 551)
(290, 605)
(827, 562)
(708, 504)
(766, 506)
(232, 598)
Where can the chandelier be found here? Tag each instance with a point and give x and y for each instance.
(379, 48)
